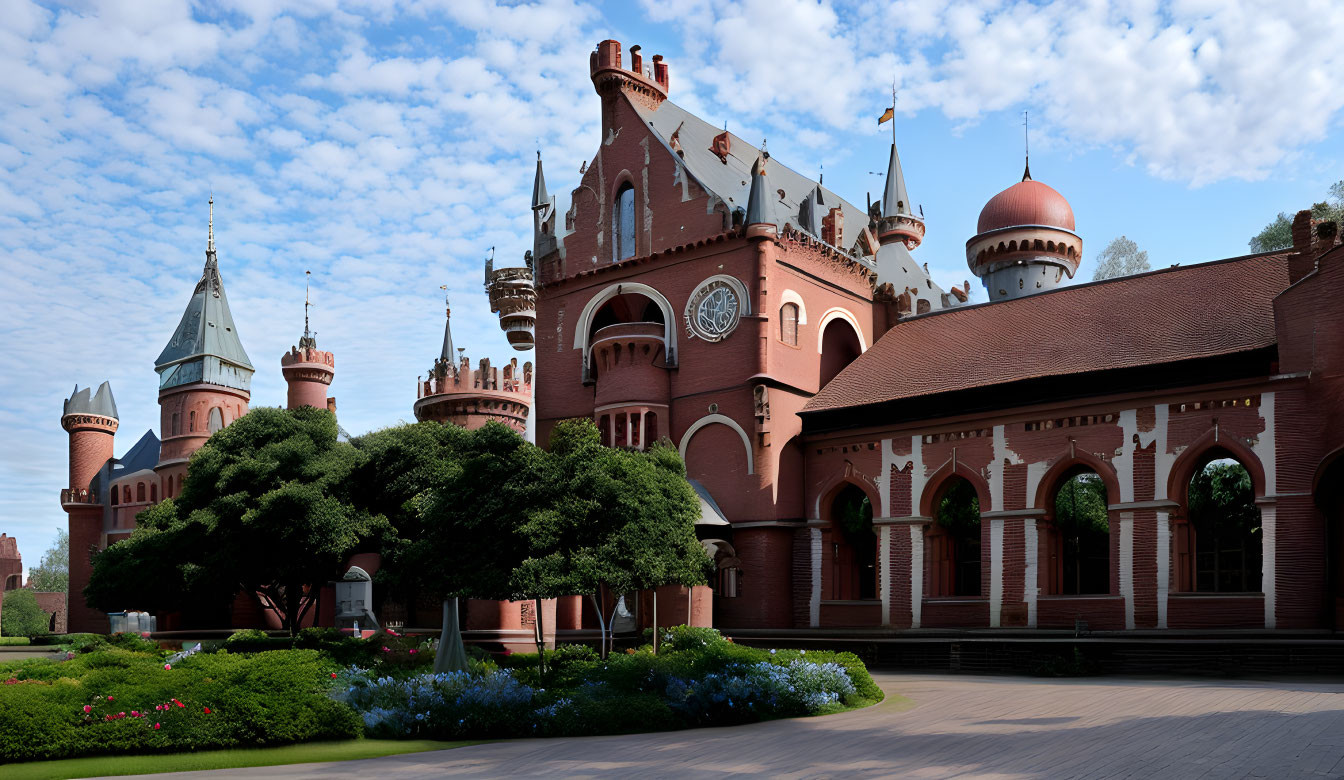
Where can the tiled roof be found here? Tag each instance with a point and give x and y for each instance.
(1161, 317)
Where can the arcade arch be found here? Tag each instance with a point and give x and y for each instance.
(631, 309)
(840, 342)
(850, 571)
(952, 541)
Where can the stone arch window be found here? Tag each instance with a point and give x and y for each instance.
(139, 491)
(651, 426)
(952, 542)
(788, 324)
(850, 559)
(216, 419)
(176, 425)
(604, 429)
(623, 224)
(153, 493)
(1219, 546)
(191, 421)
(114, 495)
(1075, 545)
(840, 345)
(126, 494)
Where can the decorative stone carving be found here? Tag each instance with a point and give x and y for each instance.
(713, 311)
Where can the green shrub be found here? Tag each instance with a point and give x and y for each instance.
(84, 643)
(14, 641)
(263, 699)
(21, 615)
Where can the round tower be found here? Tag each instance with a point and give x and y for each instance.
(92, 423)
(308, 370)
(1024, 242)
(205, 376)
(455, 393)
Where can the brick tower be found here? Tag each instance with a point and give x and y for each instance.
(454, 393)
(91, 421)
(204, 374)
(308, 370)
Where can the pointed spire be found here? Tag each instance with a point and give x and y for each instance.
(811, 210)
(447, 353)
(309, 340)
(1026, 149)
(539, 195)
(895, 199)
(761, 201)
(210, 242)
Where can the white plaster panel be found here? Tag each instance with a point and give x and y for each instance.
(1163, 461)
(1035, 473)
(1264, 445)
(916, 574)
(1030, 587)
(1127, 565)
(995, 570)
(1124, 462)
(1268, 528)
(1163, 566)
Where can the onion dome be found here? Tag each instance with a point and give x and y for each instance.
(1025, 241)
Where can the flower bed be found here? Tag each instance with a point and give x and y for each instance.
(697, 679)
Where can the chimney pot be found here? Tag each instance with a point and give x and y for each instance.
(636, 60)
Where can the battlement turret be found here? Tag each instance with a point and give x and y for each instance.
(514, 298)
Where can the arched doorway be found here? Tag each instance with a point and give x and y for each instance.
(952, 542)
(851, 566)
(840, 345)
(1076, 555)
(1218, 547)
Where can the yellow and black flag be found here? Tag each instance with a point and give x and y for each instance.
(886, 115)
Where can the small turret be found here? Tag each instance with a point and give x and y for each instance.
(514, 298)
(543, 216)
(454, 393)
(898, 221)
(308, 371)
(760, 220)
(91, 420)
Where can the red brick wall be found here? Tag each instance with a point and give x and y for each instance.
(1102, 613)
(937, 613)
(86, 527)
(1198, 611)
(801, 558)
(762, 602)
(899, 560)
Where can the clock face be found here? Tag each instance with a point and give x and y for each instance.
(713, 311)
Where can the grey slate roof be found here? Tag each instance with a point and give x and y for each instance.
(447, 353)
(760, 201)
(539, 195)
(144, 454)
(205, 346)
(895, 200)
(101, 403)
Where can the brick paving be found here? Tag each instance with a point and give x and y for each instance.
(948, 726)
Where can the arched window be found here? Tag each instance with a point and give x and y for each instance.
(113, 492)
(1076, 554)
(650, 426)
(952, 543)
(168, 488)
(1219, 549)
(604, 429)
(635, 440)
(126, 494)
(621, 437)
(839, 347)
(177, 425)
(191, 422)
(623, 224)
(851, 572)
(216, 419)
(153, 493)
(788, 324)
(139, 491)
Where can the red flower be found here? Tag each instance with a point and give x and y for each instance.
(109, 699)
(207, 710)
(156, 726)
(167, 667)
(135, 713)
(333, 675)
(87, 709)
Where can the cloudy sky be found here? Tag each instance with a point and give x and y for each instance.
(386, 146)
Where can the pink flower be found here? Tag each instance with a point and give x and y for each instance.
(167, 667)
(135, 713)
(109, 699)
(156, 726)
(180, 704)
(412, 652)
(87, 709)
(121, 714)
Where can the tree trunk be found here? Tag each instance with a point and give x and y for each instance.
(541, 638)
(655, 621)
(602, 628)
(291, 609)
(452, 655)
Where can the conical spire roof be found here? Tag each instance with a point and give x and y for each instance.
(447, 353)
(761, 201)
(206, 331)
(895, 200)
(539, 195)
(101, 402)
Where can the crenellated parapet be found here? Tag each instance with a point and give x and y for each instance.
(514, 298)
(456, 393)
(647, 85)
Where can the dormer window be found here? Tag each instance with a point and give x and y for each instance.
(623, 224)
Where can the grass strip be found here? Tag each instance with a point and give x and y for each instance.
(107, 766)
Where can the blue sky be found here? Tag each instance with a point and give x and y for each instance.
(386, 146)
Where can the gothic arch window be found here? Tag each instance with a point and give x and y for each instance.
(216, 419)
(114, 497)
(788, 324)
(1218, 549)
(623, 224)
(650, 426)
(191, 422)
(1075, 545)
(952, 542)
(153, 493)
(177, 425)
(139, 491)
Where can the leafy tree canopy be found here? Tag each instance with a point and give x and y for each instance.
(959, 508)
(1121, 257)
(53, 573)
(1081, 504)
(1222, 494)
(21, 615)
(1278, 234)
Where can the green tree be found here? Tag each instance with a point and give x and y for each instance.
(1121, 257)
(53, 573)
(21, 616)
(1081, 504)
(265, 508)
(1278, 234)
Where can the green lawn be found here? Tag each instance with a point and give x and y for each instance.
(104, 766)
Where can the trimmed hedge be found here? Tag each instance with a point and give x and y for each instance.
(15, 641)
(269, 698)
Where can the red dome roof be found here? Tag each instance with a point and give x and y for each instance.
(1026, 203)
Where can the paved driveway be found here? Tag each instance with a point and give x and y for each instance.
(949, 726)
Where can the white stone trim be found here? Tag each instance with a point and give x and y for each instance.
(884, 571)
(1163, 566)
(1127, 565)
(792, 296)
(814, 603)
(1030, 587)
(710, 419)
(841, 313)
(1268, 527)
(916, 574)
(995, 570)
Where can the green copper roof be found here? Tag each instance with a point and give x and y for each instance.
(205, 346)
